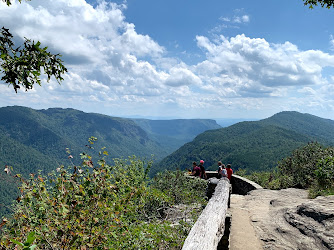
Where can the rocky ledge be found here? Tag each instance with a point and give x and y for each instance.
(287, 219)
(315, 219)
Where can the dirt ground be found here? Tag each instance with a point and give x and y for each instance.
(242, 232)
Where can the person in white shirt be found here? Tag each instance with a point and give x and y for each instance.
(221, 170)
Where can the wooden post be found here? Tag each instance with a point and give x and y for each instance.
(209, 227)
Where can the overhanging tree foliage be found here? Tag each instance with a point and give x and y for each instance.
(323, 3)
(9, 2)
(22, 66)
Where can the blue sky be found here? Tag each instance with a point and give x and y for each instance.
(181, 59)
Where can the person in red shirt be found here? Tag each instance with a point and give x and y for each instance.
(203, 174)
(229, 171)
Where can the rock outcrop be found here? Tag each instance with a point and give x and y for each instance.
(315, 219)
(287, 219)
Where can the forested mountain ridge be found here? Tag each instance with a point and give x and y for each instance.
(51, 131)
(32, 140)
(175, 133)
(254, 146)
(319, 128)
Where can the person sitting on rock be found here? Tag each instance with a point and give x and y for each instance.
(221, 170)
(203, 174)
(196, 170)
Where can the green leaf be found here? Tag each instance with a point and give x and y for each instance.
(113, 234)
(31, 237)
(16, 242)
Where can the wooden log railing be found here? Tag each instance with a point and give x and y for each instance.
(209, 227)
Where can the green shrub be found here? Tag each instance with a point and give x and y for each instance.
(325, 172)
(324, 176)
(180, 187)
(301, 165)
(96, 205)
(309, 167)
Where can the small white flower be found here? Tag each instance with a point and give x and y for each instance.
(6, 170)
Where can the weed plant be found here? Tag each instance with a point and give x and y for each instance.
(100, 206)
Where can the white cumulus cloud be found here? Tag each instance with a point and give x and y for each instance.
(253, 66)
(179, 76)
(115, 70)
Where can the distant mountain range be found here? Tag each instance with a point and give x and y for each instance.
(226, 122)
(32, 140)
(253, 146)
(172, 134)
